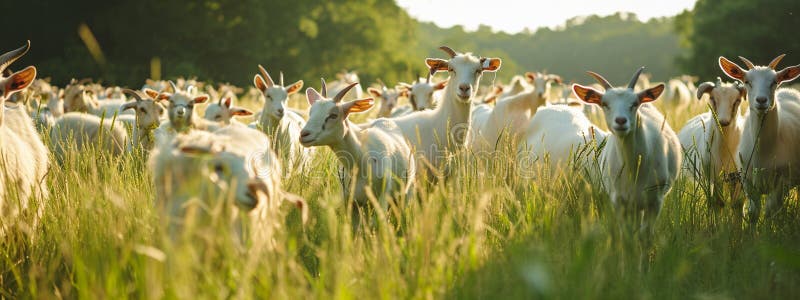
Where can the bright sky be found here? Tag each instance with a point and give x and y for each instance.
(515, 15)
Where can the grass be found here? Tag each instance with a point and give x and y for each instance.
(484, 233)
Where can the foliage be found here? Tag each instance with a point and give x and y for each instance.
(757, 30)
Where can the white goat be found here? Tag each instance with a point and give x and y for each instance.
(436, 133)
(230, 171)
(282, 125)
(421, 93)
(83, 131)
(710, 140)
(541, 83)
(554, 136)
(378, 158)
(224, 111)
(23, 156)
(180, 112)
(508, 115)
(80, 98)
(768, 147)
(389, 99)
(677, 95)
(642, 157)
(149, 114)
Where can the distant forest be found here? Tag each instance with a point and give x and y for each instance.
(224, 40)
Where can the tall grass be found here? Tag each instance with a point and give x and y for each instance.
(485, 232)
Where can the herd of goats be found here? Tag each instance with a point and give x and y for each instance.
(191, 157)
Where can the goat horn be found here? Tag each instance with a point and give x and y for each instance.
(774, 63)
(719, 81)
(282, 78)
(448, 50)
(383, 85)
(635, 78)
(11, 56)
(264, 73)
(600, 79)
(429, 78)
(344, 91)
(133, 93)
(324, 88)
(747, 63)
(174, 87)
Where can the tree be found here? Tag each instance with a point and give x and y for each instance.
(757, 30)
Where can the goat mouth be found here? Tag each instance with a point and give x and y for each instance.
(620, 129)
(306, 141)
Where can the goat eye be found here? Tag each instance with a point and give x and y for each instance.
(219, 168)
(218, 118)
(332, 116)
(142, 110)
(604, 105)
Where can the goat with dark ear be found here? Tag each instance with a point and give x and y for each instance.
(25, 158)
(710, 140)
(768, 148)
(639, 137)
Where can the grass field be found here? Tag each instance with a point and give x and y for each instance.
(484, 233)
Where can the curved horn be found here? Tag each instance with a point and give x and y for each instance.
(190, 89)
(174, 87)
(448, 51)
(635, 78)
(266, 76)
(11, 56)
(428, 80)
(719, 81)
(774, 64)
(747, 63)
(600, 79)
(324, 89)
(133, 93)
(705, 87)
(344, 91)
(383, 85)
(281, 78)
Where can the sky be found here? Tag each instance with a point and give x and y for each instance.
(513, 16)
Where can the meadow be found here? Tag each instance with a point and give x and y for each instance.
(486, 232)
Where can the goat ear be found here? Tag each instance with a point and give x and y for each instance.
(313, 96)
(788, 74)
(127, 106)
(226, 102)
(731, 69)
(587, 94)
(530, 76)
(258, 81)
(200, 99)
(491, 64)
(20, 80)
(294, 87)
(238, 111)
(651, 94)
(436, 64)
(440, 85)
(151, 93)
(556, 79)
(357, 106)
(374, 92)
(490, 99)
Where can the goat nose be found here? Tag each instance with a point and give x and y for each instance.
(304, 133)
(464, 87)
(761, 100)
(621, 120)
(280, 111)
